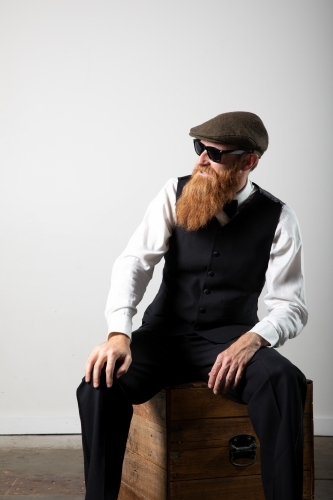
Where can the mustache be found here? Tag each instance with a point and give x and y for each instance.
(209, 170)
(203, 168)
(206, 169)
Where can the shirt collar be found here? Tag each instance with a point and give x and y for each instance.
(247, 190)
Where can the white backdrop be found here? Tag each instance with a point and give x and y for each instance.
(97, 99)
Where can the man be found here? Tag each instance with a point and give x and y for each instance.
(221, 237)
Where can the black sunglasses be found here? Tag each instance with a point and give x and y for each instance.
(215, 154)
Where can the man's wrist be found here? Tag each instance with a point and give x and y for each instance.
(257, 340)
(114, 334)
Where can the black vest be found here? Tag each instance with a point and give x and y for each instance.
(212, 277)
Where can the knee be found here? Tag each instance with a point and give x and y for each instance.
(281, 372)
(287, 373)
(282, 369)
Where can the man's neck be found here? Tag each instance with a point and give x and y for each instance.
(245, 192)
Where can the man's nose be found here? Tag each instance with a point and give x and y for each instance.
(204, 158)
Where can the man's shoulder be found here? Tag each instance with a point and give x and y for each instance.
(288, 216)
(268, 194)
(288, 220)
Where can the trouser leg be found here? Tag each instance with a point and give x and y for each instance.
(105, 418)
(274, 391)
(106, 412)
(276, 408)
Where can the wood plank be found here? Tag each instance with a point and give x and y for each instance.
(148, 439)
(208, 432)
(308, 444)
(202, 403)
(214, 432)
(154, 409)
(207, 463)
(127, 493)
(249, 488)
(309, 398)
(232, 488)
(145, 477)
(308, 485)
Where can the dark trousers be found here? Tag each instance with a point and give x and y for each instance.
(272, 387)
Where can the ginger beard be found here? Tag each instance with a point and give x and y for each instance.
(204, 196)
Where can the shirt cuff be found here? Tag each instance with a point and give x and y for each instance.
(266, 330)
(120, 321)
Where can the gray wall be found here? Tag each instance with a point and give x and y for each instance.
(97, 98)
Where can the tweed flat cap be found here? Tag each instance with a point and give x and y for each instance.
(239, 128)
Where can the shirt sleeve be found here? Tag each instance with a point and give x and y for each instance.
(285, 298)
(134, 268)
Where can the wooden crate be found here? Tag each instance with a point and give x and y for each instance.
(178, 448)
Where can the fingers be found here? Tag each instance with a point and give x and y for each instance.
(226, 372)
(226, 377)
(214, 372)
(90, 364)
(221, 374)
(238, 376)
(107, 354)
(124, 366)
(109, 371)
(108, 359)
(95, 364)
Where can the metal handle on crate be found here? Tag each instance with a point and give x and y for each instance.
(243, 447)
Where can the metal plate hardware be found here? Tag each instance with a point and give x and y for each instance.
(243, 450)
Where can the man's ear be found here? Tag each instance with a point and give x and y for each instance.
(250, 161)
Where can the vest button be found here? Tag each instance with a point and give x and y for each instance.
(216, 254)
(211, 273)
(202, 310)
(206, 291)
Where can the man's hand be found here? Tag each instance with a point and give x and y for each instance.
(117, 348)
(229, 366)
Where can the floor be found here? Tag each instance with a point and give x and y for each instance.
(50, 468)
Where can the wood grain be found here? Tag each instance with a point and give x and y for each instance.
(246, 487)
(184, 404)
(208, 432)
(154, 410)
(144, 477)
(148, 440)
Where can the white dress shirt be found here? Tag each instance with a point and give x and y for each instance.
(132, 271)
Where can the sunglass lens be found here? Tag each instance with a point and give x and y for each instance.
(199, 147)
(214, 154)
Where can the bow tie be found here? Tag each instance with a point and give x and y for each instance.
(231, 208)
